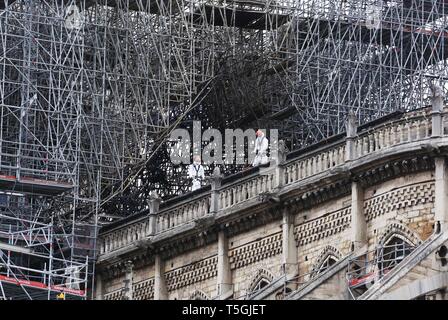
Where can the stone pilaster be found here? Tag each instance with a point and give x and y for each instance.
(358, 223)
(224, 284)
(289, 252)
(128, 281)
(160, 290)
(441, 190)
(99, 290)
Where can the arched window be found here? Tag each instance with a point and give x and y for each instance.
(261, 280)
(328, 257)
(199, 295)
(260, 285)
(327, 263)
(392, 252)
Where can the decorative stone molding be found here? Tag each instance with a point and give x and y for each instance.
(192, 273)
(323, 227)
(115, 295)
(399, 230)
(199, 295)
(328, 251)
(401, 198)
(260, 275)
(255, 251)
(144, 290)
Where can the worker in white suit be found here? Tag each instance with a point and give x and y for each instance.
(196, 173)
(261, 148)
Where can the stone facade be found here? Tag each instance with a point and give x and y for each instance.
(320, 224)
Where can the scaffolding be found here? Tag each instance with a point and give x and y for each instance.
(90, 91)
(365, 270)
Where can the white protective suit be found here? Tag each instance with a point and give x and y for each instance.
(261, 147)
(196, 172)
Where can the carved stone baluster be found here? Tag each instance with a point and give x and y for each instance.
(221, 200)
(372, 142)
(252, 188)
(387, 137)
(260, 184)
(107, 244)
(226, 198)
(166, 222)
(341, 157)
(129, 236)
(394, 135)
(362, 146)
(381, 139)
(409, 130)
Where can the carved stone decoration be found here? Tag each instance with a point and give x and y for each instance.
(397, 229)
(327, 253)
(261, 275)
(199, 295)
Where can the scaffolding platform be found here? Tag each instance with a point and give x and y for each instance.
(15, 248)
(32, 185)
(239, 18)
(14, 288)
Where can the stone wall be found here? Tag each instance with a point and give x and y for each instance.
(254, 252)
(191, 272)
(407, 201)
(320, 230)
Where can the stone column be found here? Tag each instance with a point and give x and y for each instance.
(437, 110)
(441, 190)
(358, 223)
(215, 181)
(128, 290)
(224, 284)
(351, 128)
(154, 204)
(99, 293)
(289, 252)
(160, 290)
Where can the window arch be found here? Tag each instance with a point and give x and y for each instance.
(199, 295)
(261, 280)
(396, 242)
(399, 230)
(328, 257)
(392, 252)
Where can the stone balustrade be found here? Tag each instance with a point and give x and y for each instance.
(312, 164)
(241, 191)
(180, 215)
(408, 129)
(369, 139)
